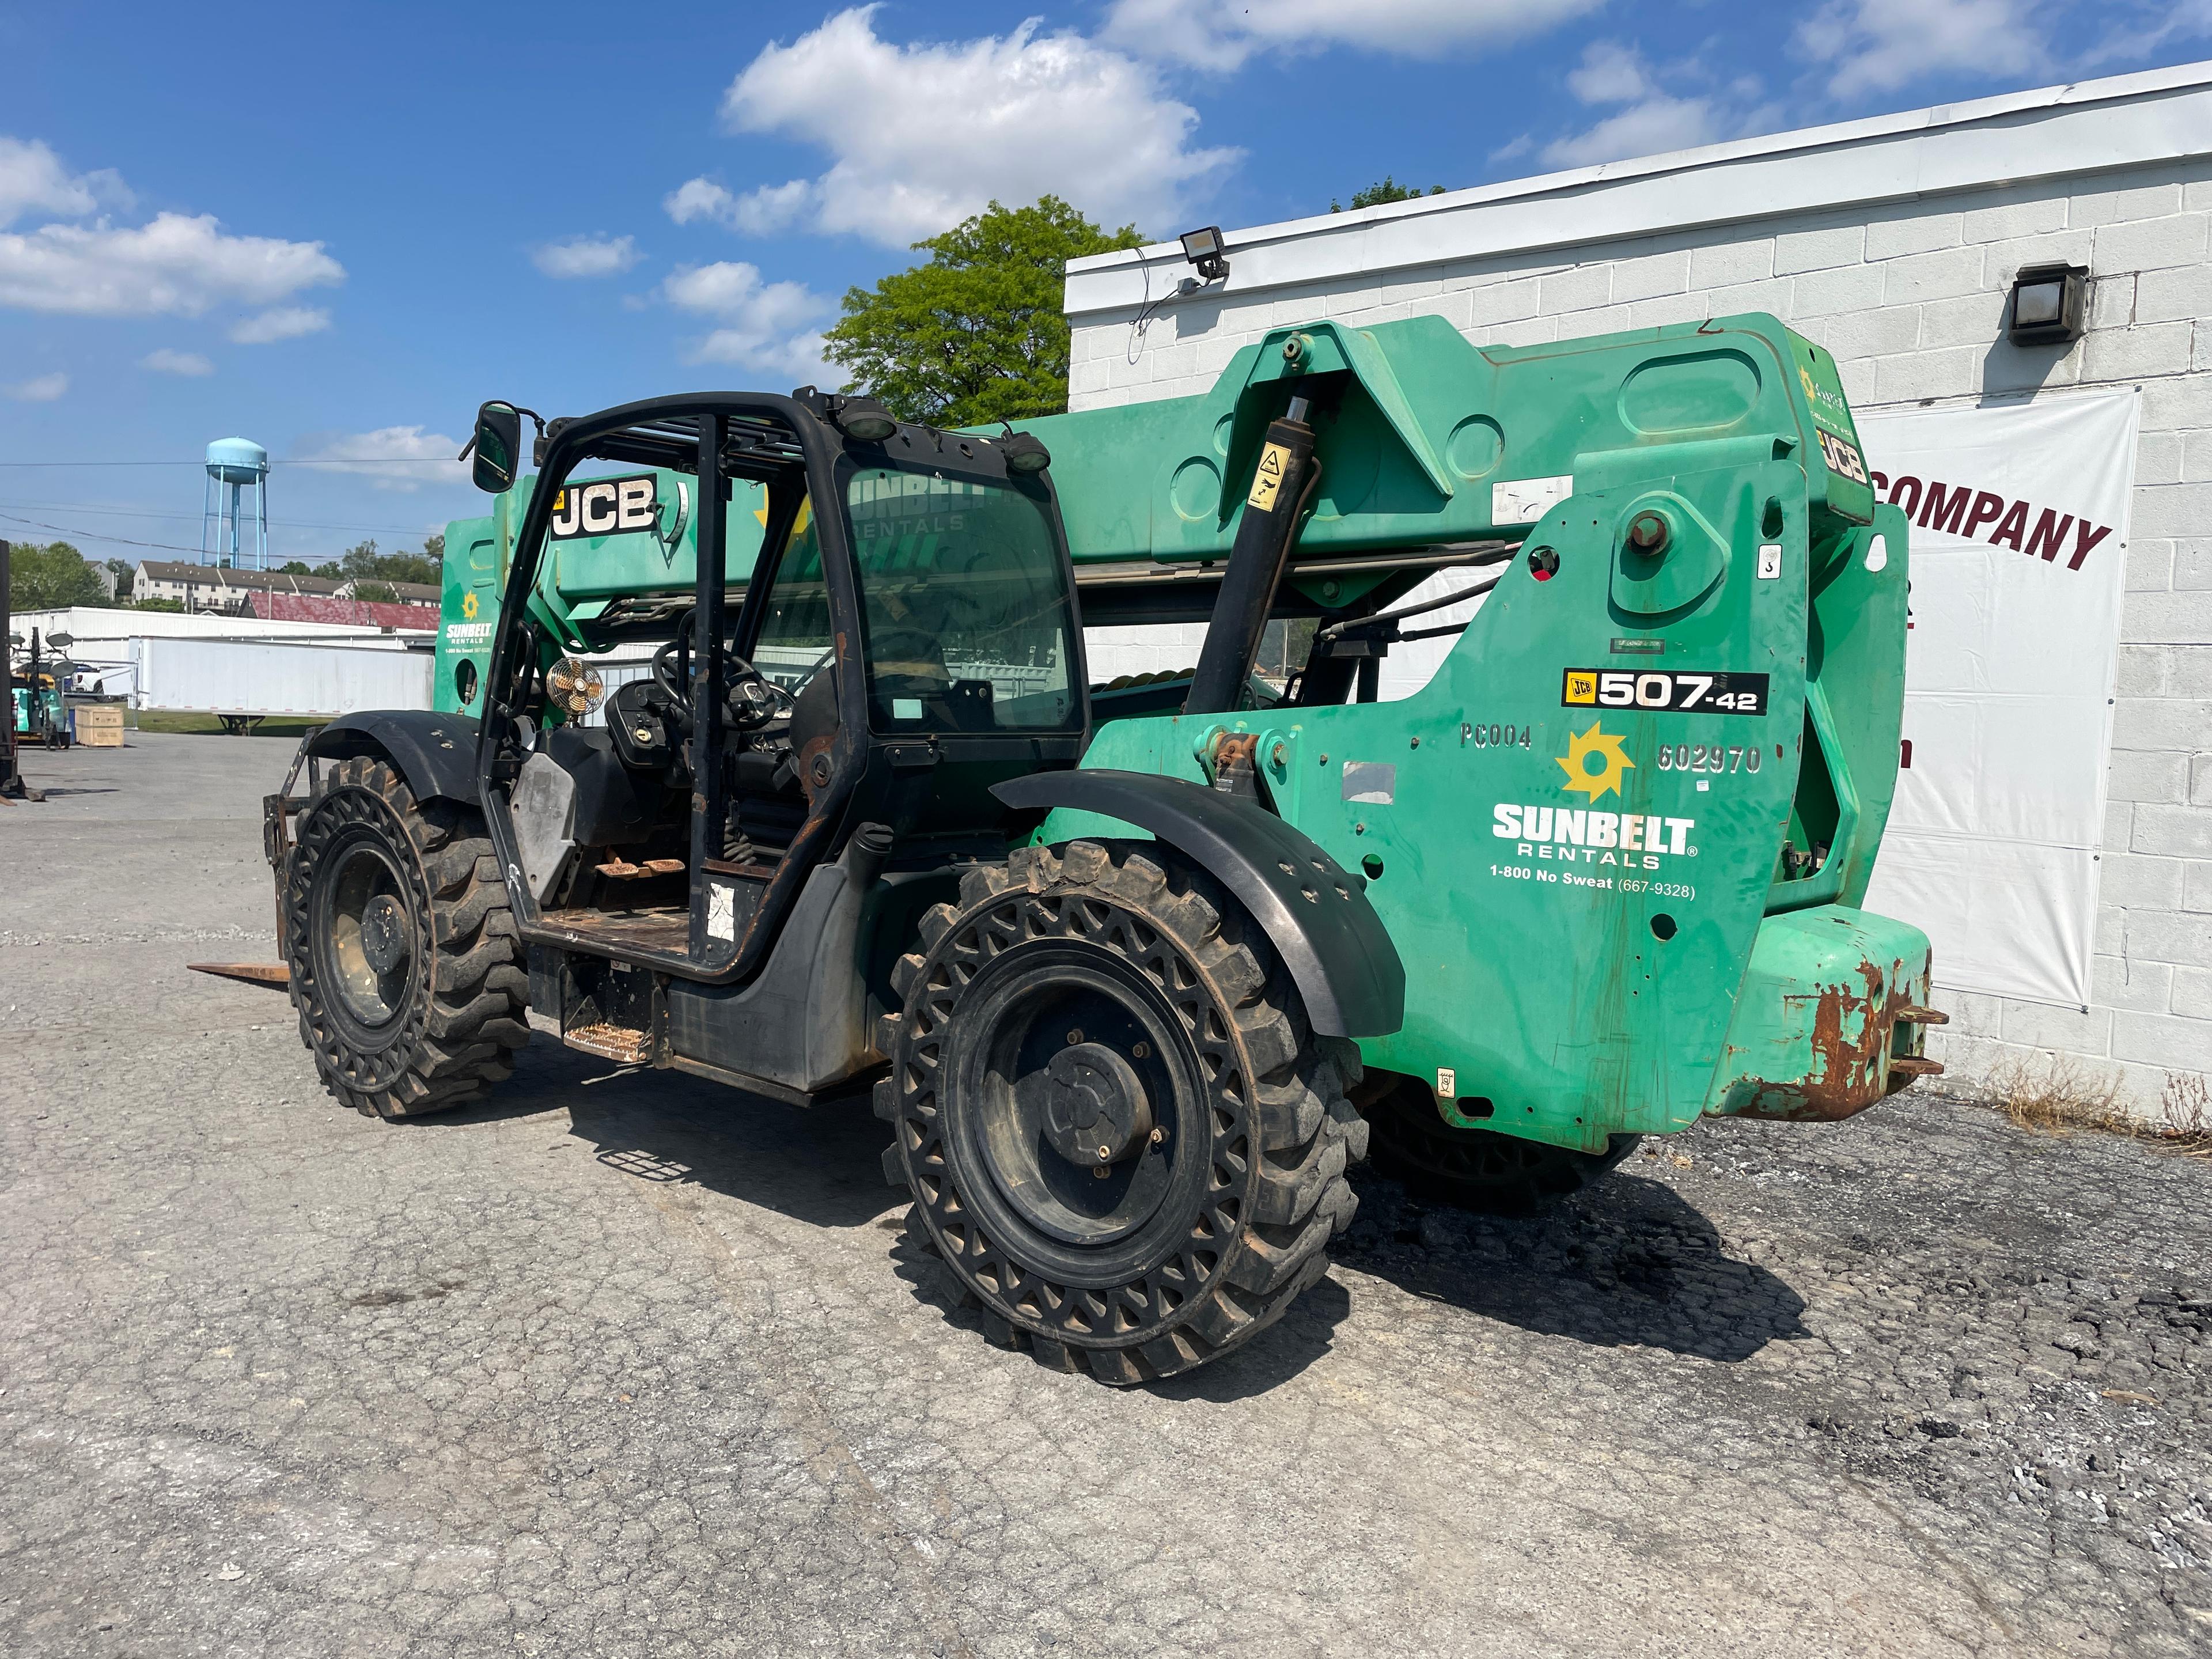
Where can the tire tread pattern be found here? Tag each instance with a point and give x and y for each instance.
(1305, 1128)
(468, 1015)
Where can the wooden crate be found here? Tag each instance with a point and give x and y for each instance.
(99, 726)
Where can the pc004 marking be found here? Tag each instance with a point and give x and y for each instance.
(1663, 691)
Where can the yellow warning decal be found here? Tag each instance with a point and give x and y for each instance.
(1267, 482)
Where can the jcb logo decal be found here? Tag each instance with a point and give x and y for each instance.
(607, 507)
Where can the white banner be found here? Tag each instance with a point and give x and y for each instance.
(2019, 529)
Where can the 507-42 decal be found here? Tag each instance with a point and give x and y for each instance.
(1662, 691)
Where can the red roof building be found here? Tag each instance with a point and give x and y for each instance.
(358, 613)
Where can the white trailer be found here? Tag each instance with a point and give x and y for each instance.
(243, 681)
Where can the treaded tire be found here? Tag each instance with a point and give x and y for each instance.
(452, 1017)
(1480, 1170)
(1252, 1143)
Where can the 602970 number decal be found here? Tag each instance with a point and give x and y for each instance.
(1677, 692)
(1708, 757)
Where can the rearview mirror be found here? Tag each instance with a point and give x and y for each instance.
(498, 442)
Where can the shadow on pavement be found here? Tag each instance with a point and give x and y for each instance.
(1628, 1263)
(822, 1165)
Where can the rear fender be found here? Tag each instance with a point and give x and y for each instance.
(1315, 914)
(436, 753)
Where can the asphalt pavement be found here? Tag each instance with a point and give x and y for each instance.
(626, 1363)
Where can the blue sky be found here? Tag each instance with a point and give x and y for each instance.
(337, 230)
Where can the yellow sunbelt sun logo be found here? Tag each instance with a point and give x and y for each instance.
(469, 607)
(1596, 745)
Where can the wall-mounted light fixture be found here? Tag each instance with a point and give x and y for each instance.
(2048, 305)
(1203, 249)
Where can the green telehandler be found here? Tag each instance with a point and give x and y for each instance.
(1137, 970)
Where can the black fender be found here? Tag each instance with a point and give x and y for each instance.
(1315, 914)
(436, 753)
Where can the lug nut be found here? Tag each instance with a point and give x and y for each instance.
(1075, 1036)
(1159, 1135)
(1141, 1050)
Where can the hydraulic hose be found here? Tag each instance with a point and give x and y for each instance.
(1282, 481)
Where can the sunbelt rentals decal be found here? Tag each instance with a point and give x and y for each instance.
(1589, 837)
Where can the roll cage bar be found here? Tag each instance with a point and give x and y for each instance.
(785, 443)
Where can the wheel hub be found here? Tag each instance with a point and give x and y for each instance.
(1096, 1112)
(384, 938)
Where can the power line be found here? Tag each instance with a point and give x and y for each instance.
(387, 460)
(102, 536)
(186, 518)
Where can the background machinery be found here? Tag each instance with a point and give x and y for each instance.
(1136, 971)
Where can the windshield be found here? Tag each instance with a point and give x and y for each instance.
(965, 603)
(962, 596)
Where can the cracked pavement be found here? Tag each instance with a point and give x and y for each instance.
(626, 1363)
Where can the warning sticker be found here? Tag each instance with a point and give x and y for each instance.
(1267, 482)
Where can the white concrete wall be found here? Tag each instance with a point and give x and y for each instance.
(1910, 297)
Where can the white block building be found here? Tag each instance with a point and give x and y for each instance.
(1893, 242)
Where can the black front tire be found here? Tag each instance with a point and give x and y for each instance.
(406, 969)
(1480, 1170)
(1225, 1181)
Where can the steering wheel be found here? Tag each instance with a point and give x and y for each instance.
(751, 699)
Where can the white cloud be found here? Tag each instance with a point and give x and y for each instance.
(403, 458)
(1220, 34)
(761, 212)
(1610, 73)
(1878, 45)
(172, 266)
(923, 136)
(587, 256)
(1653, 120)
(43, 389)
(168, 362)
(284, 323)
(772, 328)
(1652, 127)
(33, 180)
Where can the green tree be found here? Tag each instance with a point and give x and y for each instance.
(125, 575)
(433, 549)
(157, 604)
(296, 568)
(977, 334)
(362, 563)
(1379, 195)
(51, 577)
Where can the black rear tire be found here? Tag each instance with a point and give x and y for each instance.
(1480, 1170)
(1119, 1130)
(405, 965)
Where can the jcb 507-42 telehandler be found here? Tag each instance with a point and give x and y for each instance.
(1135, 970)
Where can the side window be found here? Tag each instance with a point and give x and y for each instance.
(795, 638)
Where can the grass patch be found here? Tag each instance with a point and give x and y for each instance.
(2060, 1094)
(152, 719)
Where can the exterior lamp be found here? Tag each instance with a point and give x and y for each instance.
(863, 419)
(2046, 305)
(1203, 249)
(1024, 454)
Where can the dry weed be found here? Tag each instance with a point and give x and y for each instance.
(2060, 1094)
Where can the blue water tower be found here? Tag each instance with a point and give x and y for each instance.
(239, 465)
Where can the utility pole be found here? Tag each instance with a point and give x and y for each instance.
(12, 787)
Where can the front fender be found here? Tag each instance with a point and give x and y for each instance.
(1315, 913)
(436, 753)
